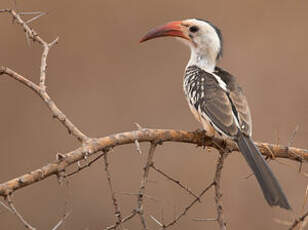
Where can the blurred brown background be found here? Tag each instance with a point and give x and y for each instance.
(105, 81)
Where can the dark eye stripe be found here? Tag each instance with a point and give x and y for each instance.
(193, 29)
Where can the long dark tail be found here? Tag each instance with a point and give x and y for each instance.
(269, 184)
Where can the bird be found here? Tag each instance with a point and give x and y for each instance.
(217, 100)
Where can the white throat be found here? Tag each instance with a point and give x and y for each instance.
(204, 59)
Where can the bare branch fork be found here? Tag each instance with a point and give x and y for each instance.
(101, 146)
(41, 88)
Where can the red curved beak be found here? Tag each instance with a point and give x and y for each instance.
(171, 29)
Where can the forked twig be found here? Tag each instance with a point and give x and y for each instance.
(41, 88)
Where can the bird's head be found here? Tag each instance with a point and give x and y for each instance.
(204, 39)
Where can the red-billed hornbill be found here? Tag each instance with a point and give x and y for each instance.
(216, 99)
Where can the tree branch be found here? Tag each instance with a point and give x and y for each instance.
(41, 88)
(144, 135)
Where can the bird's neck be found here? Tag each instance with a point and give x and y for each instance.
(203, 58)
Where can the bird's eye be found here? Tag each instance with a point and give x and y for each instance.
(194, 29)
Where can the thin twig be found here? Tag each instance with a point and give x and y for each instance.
(117, 211)
(6, 207)
(189, 206)
(157, 221)
(218, 194)
(41, 88)
(57, 113)
(35, 17)
(138, 126)
(20, 217)
(143, 183)
(298, 220)
(31, 32)
(174, 180)
(30, 13)
(301, 225)
(87, 165)
(137, 194)
(205, 219)
(43, 68)
(138, 147)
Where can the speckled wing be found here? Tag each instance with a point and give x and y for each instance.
(208, 97)
(238, 99)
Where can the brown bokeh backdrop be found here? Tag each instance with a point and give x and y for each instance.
(105, 81)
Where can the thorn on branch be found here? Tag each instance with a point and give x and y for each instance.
(138, 126)
(81, 167)
(138, 147)
(204, 219)
(137, 194)
(60, 156)
(157, 222)
(54, 42)
(40, 14)
(41, 89)
(30, 13)
(291, 138)
(58, 225)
